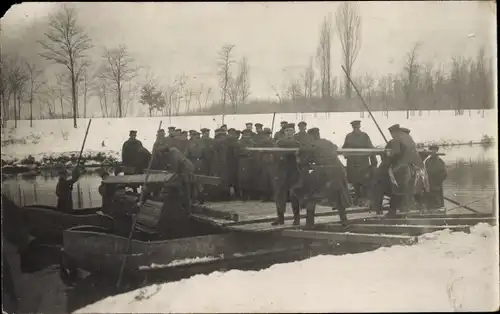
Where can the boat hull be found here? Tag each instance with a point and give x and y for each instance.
(96, 250)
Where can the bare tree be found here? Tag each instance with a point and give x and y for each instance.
(308, 79)
(348, 22)
(49, 97)
(224, 63)
(324, 56)
(459, 74)
(411, 76)
(119, 69)
(33, 84)
(243, 79)
(67, 43)
(61, 92)
(16, 78)
(5, 90)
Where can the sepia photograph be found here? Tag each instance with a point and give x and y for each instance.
(249, 157)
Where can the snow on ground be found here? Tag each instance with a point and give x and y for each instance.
(444, 272)
(52, 137)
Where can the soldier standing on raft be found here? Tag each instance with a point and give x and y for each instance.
(160, 143)
(194, 152)
(286, 176)
(206, 143)
(279, 134)
(258, 128)
(246, 166)
(328, 181)
(264, 164)
(129, 153)
(249, 127)
(64, 188)
(436, 170)
(302, 137)
(360, 169)
(219, 162)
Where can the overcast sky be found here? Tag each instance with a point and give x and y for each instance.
(176, 38)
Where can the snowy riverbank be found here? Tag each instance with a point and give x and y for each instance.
(444, 272)
(50, 141)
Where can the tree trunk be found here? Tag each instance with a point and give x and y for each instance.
(15, 110)
(31, 113)
(73, 92)
(119, 89)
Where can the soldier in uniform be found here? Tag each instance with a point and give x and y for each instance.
(224, 127)
(246, 166)
(359, 168)
(219, 163)
(130, 149)
(279, 134)
(160, 143)
(232, 159)
(263, 164)
(64, 188)
(402, 157)
(249, 127)
(326, 180)
(436, 170)
(286, 176)
(258, 128)
(182, 141)
(206, 143)
(302, 137)
(194, 152)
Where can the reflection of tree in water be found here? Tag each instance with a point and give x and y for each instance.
(472, 174)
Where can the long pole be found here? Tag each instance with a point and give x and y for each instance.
(83, 144)
(134, 220)
(272, 124)
(364, 104)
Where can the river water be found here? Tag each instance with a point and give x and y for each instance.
(471, 178)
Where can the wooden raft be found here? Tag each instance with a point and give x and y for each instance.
(340, 151)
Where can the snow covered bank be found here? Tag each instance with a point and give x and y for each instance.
(53, 137)
(444, 272)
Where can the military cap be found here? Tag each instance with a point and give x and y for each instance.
(283, 122)
(313, 131)
(205, 130)
(178, 130)
(355, 123)
(171, 127)
(267, 130)
(289, 126)
(405, 130)
(184, 132)
(132, 132)
(232, 130)
(246, 131)
(192, 131)
(434, 147)
(224, 126)
(161, 131)
(394, 127)
(249, 123)
(258, 125)
(302, 123)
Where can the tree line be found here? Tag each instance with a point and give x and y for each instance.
(119, 83)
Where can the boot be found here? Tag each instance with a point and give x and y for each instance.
(309, 218)
(296, 219)
(342, 216)
(280, 220)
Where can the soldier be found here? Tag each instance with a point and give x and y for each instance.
(436, 170)
(160, 143)
(219, 167)
(191, 134)
(359, 168)
(194, 152)
(326, 180)
(224, 127)
(64, 188)
(258, 128)
(182, 141)
(206, 143)
(402, 157)
(130, 149)
(232, 159)
(302, 136)
(286, 176)
(249, 127)
(246, 166)
(263, 164)
(279, 134)
(143, 158)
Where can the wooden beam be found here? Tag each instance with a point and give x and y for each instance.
(444, 215)
(413, 230)
(219, 214)
(382, 239)
(431, 221)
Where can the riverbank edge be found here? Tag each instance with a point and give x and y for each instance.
(91, 161)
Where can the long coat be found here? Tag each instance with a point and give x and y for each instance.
(246, 165)
(359, 167)
(264, 170)
(436, 170)
(194, 152)
(206, 144)
(129, 152)
(232, 160)
(219, 167)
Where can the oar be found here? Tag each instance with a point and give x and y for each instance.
(83, 144)
(134, 220)
(272, 124)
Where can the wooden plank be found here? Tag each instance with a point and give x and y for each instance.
(382, 239)
(443, 215)
(432, 221)
(413, 230)
(340, 151)
(201, 179)
(139, 178)
(210, 212)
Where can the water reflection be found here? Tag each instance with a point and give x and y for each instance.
(471, 176)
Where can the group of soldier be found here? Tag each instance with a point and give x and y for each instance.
(305, 178)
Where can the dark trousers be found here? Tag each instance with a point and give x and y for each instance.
(281, 196)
